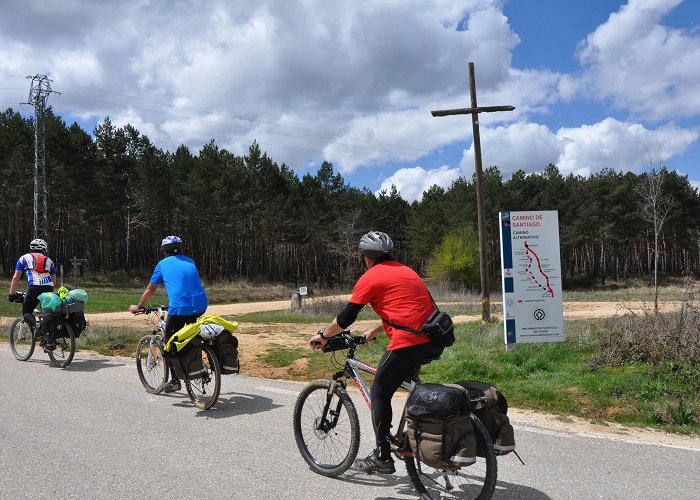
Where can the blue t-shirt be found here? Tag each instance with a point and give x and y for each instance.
(181, 279)
(37, 273)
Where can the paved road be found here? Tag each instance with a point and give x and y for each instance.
(91, 432)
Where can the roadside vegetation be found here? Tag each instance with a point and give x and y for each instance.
(640, 369)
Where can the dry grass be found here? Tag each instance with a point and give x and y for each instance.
(652, 337)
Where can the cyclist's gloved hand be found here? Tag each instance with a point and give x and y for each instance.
(11, 297)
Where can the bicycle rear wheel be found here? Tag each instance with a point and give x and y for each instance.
(63, 354)
(204, 391)
(329, 445)
(476, 481)
(21, 340)
(151, 365)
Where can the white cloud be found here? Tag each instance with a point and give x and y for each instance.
(526, 146)
(354, 82)
(645, 67)
(618, 145)
(412, 182)
(581, 150)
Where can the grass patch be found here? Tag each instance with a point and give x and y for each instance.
(298, 316)
(567, 378)
(104, 297)
(280, 356)
(111, 341)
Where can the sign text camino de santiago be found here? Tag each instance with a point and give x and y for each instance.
(533, 310)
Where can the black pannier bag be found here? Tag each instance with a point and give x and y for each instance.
(226, 348)
(493, 414)
(77, 321)
(440, 431)
(51, 325)
(75, 316)
(187, 363)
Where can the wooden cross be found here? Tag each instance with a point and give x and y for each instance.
(76, 262)
(483, 249)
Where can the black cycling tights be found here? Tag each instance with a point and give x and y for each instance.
(394, 367)
(31, 300)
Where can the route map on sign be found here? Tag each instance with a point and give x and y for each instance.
(531, 269)
(539, 268)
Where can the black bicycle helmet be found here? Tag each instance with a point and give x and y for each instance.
(376, 244)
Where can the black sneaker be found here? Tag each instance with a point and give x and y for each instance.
(49, 345)
(373, 464)
(172, 386)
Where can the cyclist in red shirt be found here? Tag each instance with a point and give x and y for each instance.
(397, 294)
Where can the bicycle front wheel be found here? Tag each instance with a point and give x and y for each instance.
(63, 354)
(22, 340)
(474, 481)
(151, 364)
(204, 391)
(329, 442)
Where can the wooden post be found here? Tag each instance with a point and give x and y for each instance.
(76, 262)
(483, 246)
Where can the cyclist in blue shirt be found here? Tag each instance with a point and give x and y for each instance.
(40, 271)
(186, 296)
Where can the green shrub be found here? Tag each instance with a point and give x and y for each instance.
(456, 258)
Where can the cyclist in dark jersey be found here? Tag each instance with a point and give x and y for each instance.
(186, 296)
(40, 271)
(396, 293)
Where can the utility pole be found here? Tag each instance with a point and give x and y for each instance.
(483, 248)
(39, 92)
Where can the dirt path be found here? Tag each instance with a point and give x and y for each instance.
(258, 338)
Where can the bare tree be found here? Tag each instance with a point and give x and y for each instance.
(655, 204)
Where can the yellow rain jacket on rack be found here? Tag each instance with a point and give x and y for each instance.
(179, 339)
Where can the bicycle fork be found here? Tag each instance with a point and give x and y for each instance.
(323, 423)
(150, 361)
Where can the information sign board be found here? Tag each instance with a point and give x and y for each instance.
(533, 310)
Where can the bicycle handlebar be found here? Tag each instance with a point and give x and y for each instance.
(344, 340)
(18, 297)
(149, 310)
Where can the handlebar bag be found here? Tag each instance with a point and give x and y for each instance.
(493, 414)
(440, 431)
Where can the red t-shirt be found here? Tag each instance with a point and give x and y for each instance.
(396, 293)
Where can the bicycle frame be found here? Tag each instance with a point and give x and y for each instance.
(352, 369)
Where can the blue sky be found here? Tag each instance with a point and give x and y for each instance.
(599, 84)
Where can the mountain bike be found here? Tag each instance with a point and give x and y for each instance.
(23, 339)
(153, 367)
(327, 432)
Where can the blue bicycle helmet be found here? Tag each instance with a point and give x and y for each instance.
(170, 243)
